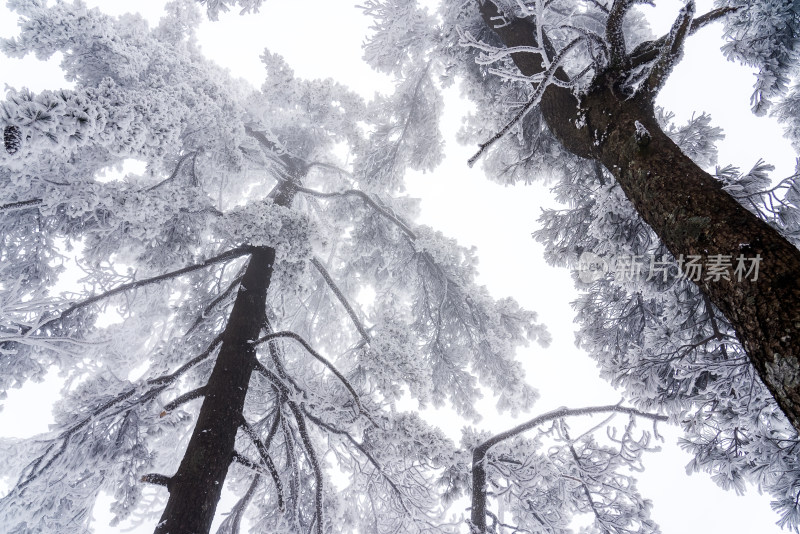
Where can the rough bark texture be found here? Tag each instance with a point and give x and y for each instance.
(196, 487)
(689, 211)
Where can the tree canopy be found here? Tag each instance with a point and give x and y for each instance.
(266, 262)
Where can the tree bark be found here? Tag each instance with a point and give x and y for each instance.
(195, 488)
(688, 210)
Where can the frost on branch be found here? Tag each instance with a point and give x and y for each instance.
(688, 364)
(765, 35)
(215, 7)
(398, 25)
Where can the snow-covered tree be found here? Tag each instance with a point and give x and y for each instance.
(565, 90)
(231, 271)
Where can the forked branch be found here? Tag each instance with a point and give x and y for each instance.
(671, 52)
(478, 515)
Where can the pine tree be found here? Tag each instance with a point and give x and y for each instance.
(565, 90)
(228, 271)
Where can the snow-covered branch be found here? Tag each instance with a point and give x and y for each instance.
(320, 358)
(266, 458)
(342, 299)
(478, 515)
(534, 100)
(615, 36)
(670, 53)
(225, 256)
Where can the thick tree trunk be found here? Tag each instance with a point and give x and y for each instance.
(689, 211)
(196, 487)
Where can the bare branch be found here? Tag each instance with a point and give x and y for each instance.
(183, 399)
(157, 479)
(22, 204)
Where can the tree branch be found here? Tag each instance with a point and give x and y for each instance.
(478, 515)
(175, 172)
(535, 98)
(21, 204)
(368, 200)
(213, 304)
(321, 359)
(649, 50)
(225, 256)
(586, 491)
(615, 36)
(183, 399)
(315, 467)
(671, 52)
(267, 459)
(358, 445)
(33, 470)
(157, 479)
(341, 298)
(232, 523)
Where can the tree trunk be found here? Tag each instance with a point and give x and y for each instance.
(688, 210)
(196, 487)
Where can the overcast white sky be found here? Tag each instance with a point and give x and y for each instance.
(323, 39)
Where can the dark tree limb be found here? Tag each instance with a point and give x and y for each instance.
(614, 34)
(649, 50)
(670, 54)
(22, 204)
(315, 467)
(183, 399)
(157, 479)
(263, 451)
